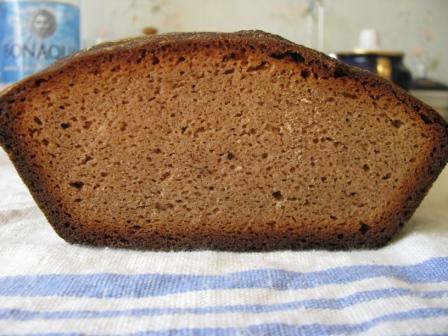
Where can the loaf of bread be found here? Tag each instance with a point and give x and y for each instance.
(241, 141)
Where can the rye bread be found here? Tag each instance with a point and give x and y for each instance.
(241, 141)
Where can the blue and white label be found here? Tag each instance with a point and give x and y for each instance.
(35, 34)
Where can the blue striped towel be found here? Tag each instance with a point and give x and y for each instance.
(48, 287)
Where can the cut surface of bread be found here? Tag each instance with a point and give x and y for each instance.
(239, 141)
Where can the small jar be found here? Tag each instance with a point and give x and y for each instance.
(34, 34)
(387, 64)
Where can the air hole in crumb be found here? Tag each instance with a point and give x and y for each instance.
(290, 55)
(87, 125)
(349, 95)
(363, 228)
(264, 155)
(229, 71)
(163, 207)
(198, 131)
(157, 151)
(260, 66)
(397, 123)
(229, 156)
(229, 57)
(122, 126)
(333, 217)
(45, 142)
(425, 119)
(39, 81)
(77, 200)
(77, 184)
(183, 129)
(86, 159)
(277, 195)
(387, 176)
(304, 73)
(366, 167)
(165, 176)
(65, 125)
(155, 60)
(103, 174)
(37, 120)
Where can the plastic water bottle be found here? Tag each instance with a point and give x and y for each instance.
(34, 34)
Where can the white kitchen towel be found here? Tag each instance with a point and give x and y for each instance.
(49, 287)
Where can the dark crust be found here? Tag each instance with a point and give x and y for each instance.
(321, 65)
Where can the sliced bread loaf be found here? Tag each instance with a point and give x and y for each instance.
(241, 141)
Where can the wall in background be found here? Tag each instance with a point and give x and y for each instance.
(417, 27)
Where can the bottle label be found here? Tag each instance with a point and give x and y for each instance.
(35, 34)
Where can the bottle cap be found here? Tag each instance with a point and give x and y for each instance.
(369, 39)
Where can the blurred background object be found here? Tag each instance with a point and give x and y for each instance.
(33, 34)
(149, 30)
(368, 54)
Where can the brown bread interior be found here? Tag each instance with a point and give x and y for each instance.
(226, 142)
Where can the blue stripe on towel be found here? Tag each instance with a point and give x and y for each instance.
(331, 304)
(316, 329)
(107, 285)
